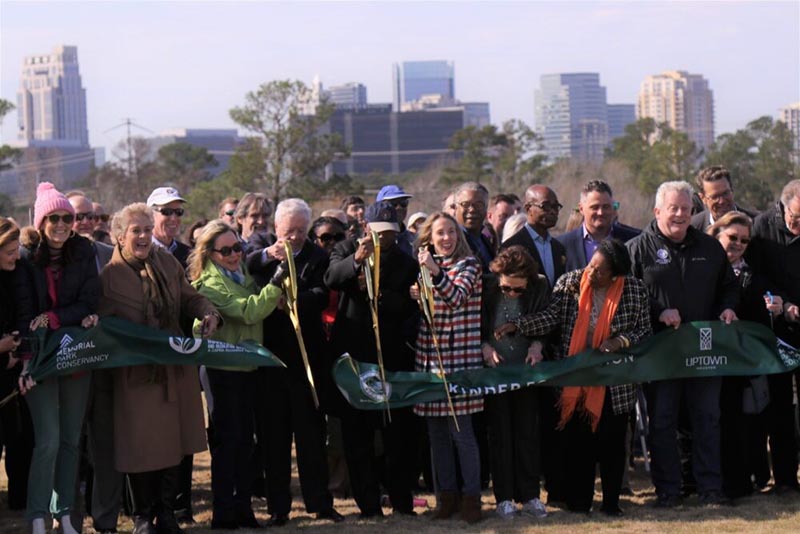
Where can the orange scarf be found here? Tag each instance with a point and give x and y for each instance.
(592, 396)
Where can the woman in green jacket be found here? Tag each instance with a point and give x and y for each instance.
(218, 273)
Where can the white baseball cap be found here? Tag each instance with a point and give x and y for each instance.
(163, 195)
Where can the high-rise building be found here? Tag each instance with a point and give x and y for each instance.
(51, 100)
(620, 116)
(413, 79)
(348, 96)
(791, 116)
(682, 100)
(572, 116)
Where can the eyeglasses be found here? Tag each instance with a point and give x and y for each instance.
(168, 212)
(227, 251)
(230, 213)
(513, 289)
(327, 238)
(89, 216)
(736, 239)
(54, 218)
(545, 206)
(479, 206)
(792, 215)
(719, 196)
(103, 217)
(402, 202)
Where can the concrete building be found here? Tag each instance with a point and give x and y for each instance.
(411, 80)
(571, 116)
(51, 100)
(791, 116)
(682, 100)
(620, 116)
(220, 143)
(348, 96)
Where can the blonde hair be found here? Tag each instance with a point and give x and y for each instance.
(204, 246)
(122, 218)
(425, 234)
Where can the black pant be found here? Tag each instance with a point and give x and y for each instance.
(232, 448)
(16, 436)
(584, 449)
(553, 451)
(780, 426)
(399, 450)
(153, 494)
(514, 444)
(292, 413)
(735, 429)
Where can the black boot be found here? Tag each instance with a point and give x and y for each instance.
(141, 487)
(168, 490)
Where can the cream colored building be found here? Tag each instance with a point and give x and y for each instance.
(791, 116)
(682, 100)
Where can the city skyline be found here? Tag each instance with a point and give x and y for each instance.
(168, 66)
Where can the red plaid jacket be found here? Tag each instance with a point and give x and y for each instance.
(458, 328)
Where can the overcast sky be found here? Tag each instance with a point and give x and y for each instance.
(185, 64)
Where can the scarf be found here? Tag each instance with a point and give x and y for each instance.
(589, 399)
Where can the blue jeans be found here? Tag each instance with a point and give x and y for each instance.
(442, 434)
(57, 407)
(702, 401)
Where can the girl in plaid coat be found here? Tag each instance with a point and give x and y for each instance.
(457, 323)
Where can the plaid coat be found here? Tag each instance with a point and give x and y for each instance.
(458, 329)
(632, 320)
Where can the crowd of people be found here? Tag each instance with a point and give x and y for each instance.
(481, 283)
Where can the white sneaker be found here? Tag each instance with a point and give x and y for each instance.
(534, 508)
(506, 509)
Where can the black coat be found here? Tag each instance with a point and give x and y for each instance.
(397, 312)
(693, 276)
(523, 238)
(312, 299)
(702, 219)
(78, 290)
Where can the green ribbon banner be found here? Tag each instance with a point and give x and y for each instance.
(115, 342)
(698, 349)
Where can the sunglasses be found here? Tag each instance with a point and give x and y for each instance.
(167, 212)
(81, 216)
(735, 239)
(103, 217)
(227, 251)
(545, 206)
(230, 213)
(54, 218)
(401, 202)
(327, 238)
(512, 289)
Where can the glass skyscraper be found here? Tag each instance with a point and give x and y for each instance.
(413, 79)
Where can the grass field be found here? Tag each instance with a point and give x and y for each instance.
(759, 513)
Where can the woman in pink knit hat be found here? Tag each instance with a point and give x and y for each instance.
(56, 285)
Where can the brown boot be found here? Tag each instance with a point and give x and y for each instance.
(446, 505)
(471, 508)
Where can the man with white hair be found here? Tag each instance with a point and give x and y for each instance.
(287, 398)
(689, 278)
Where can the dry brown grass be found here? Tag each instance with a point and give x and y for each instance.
(755, 514)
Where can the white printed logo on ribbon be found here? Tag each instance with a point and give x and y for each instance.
(185, 345)
(705, 339)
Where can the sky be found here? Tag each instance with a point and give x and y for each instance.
(185, 64)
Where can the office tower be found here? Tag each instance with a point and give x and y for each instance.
(620, 116)
(413, 79)
(571, 115)
(683, 101)
(51, 100)
(791, 116)
(348, 96)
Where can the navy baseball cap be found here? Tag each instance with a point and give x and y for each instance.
(382, 216)
(391, 192)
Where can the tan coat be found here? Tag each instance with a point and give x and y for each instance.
(155, 423)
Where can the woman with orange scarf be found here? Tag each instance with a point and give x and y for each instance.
(596, 307)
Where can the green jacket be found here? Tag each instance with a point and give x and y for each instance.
(243, 308)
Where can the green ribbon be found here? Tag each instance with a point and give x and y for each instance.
(115, 342)
(698, 349)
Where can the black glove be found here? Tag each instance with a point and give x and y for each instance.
(280, 274)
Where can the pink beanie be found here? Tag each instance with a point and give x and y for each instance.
(48, 200)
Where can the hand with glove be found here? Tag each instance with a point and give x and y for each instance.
(280, 274)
